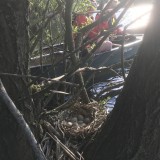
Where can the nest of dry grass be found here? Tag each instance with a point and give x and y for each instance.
(66, 134)
(82, 119)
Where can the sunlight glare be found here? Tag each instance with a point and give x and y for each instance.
(135, 12)
(138, 11)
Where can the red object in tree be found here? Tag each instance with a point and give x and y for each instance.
(93, 33)
(80, 20)
(97, 29)
(103, 25)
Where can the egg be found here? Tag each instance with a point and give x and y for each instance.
(83, 125)
(74, 119)
(80, 117)
(80, 122)
(87, 120)
(70, 123)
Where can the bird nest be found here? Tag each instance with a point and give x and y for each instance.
(82, 119)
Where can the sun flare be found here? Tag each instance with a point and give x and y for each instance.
(135, 12)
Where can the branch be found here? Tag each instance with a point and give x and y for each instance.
(65, 148)
(21, 122)
(103, 18)
(54, 80)
(70, 46)
(57, 11)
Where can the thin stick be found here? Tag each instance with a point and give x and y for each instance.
(54, 80)
(68, 151)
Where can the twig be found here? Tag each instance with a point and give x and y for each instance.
(66, 149)
(50, 129)
(54, 80)
(65, 105)
(57, 11)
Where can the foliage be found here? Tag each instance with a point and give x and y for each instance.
(82, 6)
(49, 29)
(104, 101)
(53, 32)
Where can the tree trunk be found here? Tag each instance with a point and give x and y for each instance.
(132, 131)
(14, 47)
(14, 56)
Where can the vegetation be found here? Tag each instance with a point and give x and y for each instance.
(59, 109)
